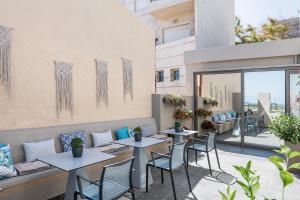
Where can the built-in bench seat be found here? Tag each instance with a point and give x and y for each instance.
(52, 182)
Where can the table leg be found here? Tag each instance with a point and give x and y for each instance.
(178, 139)
(72, 183)
(139, 166)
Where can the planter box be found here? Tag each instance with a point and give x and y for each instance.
(294, 147)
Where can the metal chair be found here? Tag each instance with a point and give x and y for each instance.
(169, 163)
(116, 180)
(204, 145)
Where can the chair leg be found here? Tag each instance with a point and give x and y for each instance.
(217, 157)
(132, 194)
(147, 174)
(75, 195)
(162, 176)
(196, 157)
(173, 185)
(188, 178)
(207, 153)
(187, 157)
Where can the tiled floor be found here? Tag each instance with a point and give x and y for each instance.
(264, 138)
(206, 188)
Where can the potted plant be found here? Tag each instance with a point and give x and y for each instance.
(77, 147)
(208, 125)
(177, 127)
(137, 134)
(210, 102)
(202, 112)
(287, 128)
(183, 114)
(174, 100)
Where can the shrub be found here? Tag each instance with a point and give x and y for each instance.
(208, 125)
(286, 127)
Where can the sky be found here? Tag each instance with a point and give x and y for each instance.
(256, 12)
(260, 82)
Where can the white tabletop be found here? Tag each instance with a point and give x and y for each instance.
(146, 142)
(67, 162)
(182, 133)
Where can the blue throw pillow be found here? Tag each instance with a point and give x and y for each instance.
(122, 133)
(215, 118)
(67, 138)
(7, 168)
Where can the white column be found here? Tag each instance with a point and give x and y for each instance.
(214, 23)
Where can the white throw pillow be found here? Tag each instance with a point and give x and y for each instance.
(41, 148)
(101, 139)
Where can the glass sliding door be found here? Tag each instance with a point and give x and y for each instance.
(264, 99)
(225, 90)
(293, 89)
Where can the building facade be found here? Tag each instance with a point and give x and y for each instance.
(179, 26)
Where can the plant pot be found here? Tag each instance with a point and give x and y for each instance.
(137, 137)
(177, 127)
(77, 152)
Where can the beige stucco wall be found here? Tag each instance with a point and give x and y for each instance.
(74, 31)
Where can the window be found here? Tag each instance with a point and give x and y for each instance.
(175, 74)
(160, 76)
(176, 33)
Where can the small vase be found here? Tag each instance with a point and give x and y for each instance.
(77, 152)
(137, 137)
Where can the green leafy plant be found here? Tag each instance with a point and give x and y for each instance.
(286, 127)
(251, 180)
(210, 102)
(76, 142)
(137, 130)
(174, 100)
(282, 165)
(202, 112)
(230, 195)
(183, 114)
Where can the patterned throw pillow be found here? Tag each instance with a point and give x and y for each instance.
(36, 149)
(7, 168)
(67, 138)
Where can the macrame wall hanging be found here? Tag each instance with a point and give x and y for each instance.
(101, 82)
(64, 87)
(5, 46)
(127, 78)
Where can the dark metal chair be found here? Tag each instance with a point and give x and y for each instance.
(116, 180)
(169, 162)
(204, 145)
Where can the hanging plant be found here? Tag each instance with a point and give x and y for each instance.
(210, 102)
(183, 114)
(208, 125)
(174, 100)
(202, 112)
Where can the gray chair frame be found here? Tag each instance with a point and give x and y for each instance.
(206, 150)
(171, 169)
(101, 181)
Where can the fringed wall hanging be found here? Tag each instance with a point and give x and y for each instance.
(127, 78)
(64, 86)
(5, 47)
(211, 90)
(216, 93)
(101, 82)
(221, 99)
(225, 94)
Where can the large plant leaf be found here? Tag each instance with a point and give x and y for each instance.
(294, 166)
(245, 188)
(277, 161)
(293, 154)
(286, 178)
(285, 149)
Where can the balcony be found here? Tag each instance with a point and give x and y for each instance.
(163, 9)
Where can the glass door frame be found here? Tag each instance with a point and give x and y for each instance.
(287, 69)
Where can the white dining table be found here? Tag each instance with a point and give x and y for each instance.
(74, 166)
(140, 158)
(179, 136)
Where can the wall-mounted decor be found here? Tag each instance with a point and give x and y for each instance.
(64, 86)
(127, 78)
(221, 99)
(5, 46)
(101, 82)
(211, 90)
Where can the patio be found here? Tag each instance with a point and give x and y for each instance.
(206, 188)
